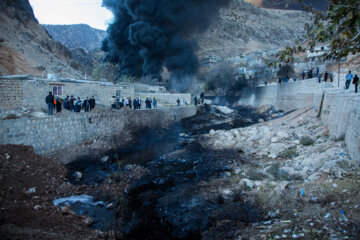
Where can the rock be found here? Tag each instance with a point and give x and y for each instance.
(247, 183)
(78, 175)
(274, 139)
(37, 207)
(272, 155)
(110, 205)
(223, 109)
(7, 156)
(237, 171)
(282, 135)
(66, 210)
(212, 132)
(226, 191)
(260, 120)
(226, 174)
(105, 159)
(275, 115)
(88, 221)
(265, 108)
(32, 190)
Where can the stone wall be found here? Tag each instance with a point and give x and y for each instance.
(340, 108)
(11, 93)
(52, 134)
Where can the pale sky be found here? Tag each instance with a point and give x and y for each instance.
(72, 12)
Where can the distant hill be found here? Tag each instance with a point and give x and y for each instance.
(27, 48)
(77, 36)
(244, 28)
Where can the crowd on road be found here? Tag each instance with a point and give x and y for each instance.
(71, 104)
(136, 103)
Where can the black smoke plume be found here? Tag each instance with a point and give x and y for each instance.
(149, 34)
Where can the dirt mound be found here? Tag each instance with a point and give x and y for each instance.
(29, 184)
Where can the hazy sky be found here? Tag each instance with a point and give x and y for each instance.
(72, 12)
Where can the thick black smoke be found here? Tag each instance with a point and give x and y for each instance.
(149, 34)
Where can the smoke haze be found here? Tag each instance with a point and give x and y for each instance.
(149, 34)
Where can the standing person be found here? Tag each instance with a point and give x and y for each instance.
(77, 105)
(113, 102)
(279, 80)
(130, 102)
(349, 77)
(139, 103)
(86, 105)
(147, 103)
(326, 75)
(319, 77)
(178, 102)
(331, 77)
(58, 105)
(202, 95)
(195, 101)
(66, 102)
(92, 103)
(50, 102)
(356, 82)
(126, 102)
(317, 71)
(72, 102)
(310, 73)
(154, 103)
(135, 103)
(303, 74)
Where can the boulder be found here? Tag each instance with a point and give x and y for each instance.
(105, 159)
(247, 183)
(88, 221)
(78, 175)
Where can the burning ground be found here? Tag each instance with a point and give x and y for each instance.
(223, 178)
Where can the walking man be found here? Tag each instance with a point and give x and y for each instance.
(349, 77)
(50, 102)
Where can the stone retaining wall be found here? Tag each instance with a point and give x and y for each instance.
(11, 93)
(340, 111)
(52, 134)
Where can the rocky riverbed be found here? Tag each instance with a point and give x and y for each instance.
(224, 174)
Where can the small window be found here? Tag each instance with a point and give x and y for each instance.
(118, 94)
(57, 90)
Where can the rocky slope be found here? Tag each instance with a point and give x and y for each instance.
(290, 5)
(244, 28)
(27, 48)
(77, 36)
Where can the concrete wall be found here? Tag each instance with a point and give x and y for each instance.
(165, 99)
(11, 93)
(52, 134)
(340, 112)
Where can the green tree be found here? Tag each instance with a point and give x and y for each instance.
(338, 26)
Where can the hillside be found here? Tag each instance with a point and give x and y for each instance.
(290, 5)
(244, 28)
(27, 48)
(77, 36)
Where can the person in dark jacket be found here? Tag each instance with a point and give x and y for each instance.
(147, 103)
(50, 102)
(58, 105)
(135, 103)
(326, 75)
(92, 103)
(178, 102)
(66, 102)
(77, 105)
(356, 82)
(86, 105)
(202, 95)
(72, 101)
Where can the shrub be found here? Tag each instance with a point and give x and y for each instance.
(307, 141)
(288, 153)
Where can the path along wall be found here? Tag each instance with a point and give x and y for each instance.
(340, 108)
(51, 134)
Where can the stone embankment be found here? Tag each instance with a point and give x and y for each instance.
(339, 109)
(305, 181)
(53, 134)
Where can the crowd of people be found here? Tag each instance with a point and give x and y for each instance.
(136, 103)
(71, 104)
